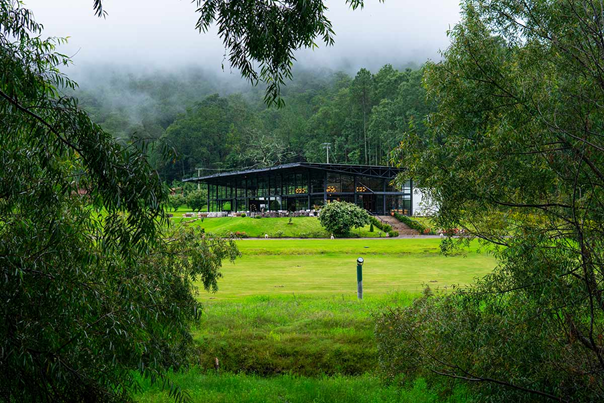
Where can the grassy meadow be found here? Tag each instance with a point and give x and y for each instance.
(286, 325)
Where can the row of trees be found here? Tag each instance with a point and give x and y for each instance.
(362, 117)
(188, 195)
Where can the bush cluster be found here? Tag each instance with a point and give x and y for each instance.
(195, 199)
(383, 227)
(176, 200)
(339, 218)
(461, 334)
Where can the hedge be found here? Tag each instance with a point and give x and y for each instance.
(383, 227)
(419, 227)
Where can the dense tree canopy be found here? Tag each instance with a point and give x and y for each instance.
(92, 284)
(514, 156)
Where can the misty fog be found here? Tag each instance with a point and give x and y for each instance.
(145, 60)
(147, 35)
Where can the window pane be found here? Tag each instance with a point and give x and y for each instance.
(347, 183)
(333, 183)
(316, 182)
(390, 187)
(370, 184)
(379, 204)
(316, 202)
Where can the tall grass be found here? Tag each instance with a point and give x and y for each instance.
(307, 336)
(209, 387)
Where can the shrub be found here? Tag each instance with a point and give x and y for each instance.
(279, 234)
(339, 218)
(275, 205)
(371, 228)
(461, 331)
(380, 225)
(451, 231)
(243, 215)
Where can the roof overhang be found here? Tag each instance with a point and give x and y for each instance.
(375, 171)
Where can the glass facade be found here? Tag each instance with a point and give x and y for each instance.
(305, 188)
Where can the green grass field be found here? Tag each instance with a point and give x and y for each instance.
(328, 267)
(244, 388)
(181, 210)
(300, 227)
(287, 327)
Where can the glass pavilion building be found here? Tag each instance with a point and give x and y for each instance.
(307, 186)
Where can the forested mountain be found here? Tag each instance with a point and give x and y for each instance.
(195, 120)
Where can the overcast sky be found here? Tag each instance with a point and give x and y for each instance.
(161, 33)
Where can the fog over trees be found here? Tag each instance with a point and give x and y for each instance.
(215, 124)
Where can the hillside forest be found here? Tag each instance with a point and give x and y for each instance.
(193, 119)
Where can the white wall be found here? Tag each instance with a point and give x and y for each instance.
(422, 205)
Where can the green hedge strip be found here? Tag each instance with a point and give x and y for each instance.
(419, 227)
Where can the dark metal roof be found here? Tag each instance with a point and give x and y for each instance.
(365, 170)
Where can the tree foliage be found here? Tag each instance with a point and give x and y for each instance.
(514, 156)
(176, 200)
(339, 218)
(208, 135)
(197, 199)
(92, 285)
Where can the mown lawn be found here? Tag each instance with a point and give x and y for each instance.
(178, 213)
(282, 227)
(286, 325)
(328, 267)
